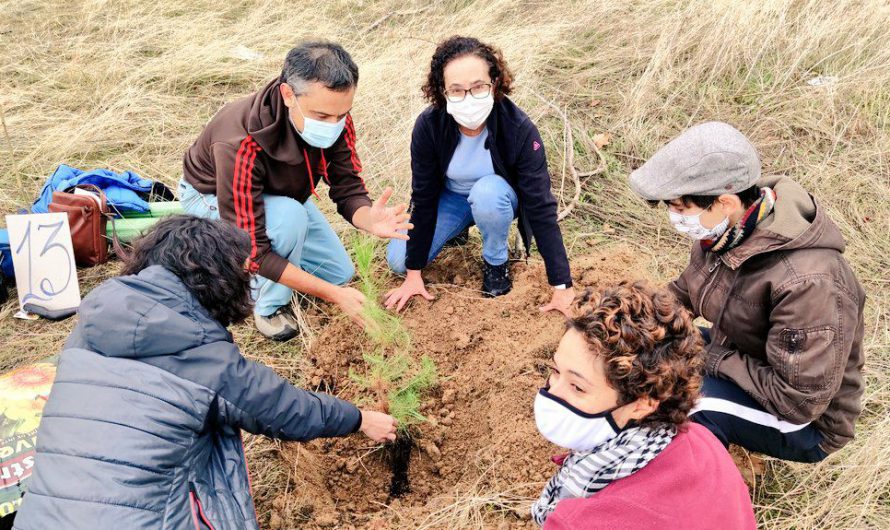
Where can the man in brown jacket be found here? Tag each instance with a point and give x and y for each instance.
(259, 162)
(784, 356)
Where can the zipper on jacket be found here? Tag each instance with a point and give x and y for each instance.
(198, 515)
(708, 285)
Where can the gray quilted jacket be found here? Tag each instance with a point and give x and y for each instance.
(143, 426)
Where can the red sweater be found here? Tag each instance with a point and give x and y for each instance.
(692, 484)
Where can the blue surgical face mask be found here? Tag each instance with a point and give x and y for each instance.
(318, 133)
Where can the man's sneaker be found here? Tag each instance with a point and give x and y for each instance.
(280, 325)
(496, 279)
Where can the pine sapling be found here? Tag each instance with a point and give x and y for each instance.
(392, 376)
(383, 328)
(398, 391)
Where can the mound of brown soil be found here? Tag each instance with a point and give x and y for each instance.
(481, 437)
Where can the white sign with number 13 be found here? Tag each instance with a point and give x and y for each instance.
(43, 258)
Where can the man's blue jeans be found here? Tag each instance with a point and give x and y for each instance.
(298, 232)
(491, 206)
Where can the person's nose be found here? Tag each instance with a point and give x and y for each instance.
(557, 388)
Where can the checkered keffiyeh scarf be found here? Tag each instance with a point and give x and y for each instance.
(582, 474)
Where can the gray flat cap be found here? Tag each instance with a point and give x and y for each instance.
(711, 158)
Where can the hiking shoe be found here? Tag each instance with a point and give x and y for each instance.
(459, 240)
(280, 325)
(496, 279)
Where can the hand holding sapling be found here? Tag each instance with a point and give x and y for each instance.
(378, 426)
(352, 303)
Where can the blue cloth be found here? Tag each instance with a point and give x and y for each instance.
(123, 190)
(299, 232)
(142, 429)
(471, 161)
(491, 206)
(6, 256)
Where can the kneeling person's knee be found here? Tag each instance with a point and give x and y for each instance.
(286, 223)
(395, 256)
(491, 198)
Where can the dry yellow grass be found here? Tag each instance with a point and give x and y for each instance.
(129, 84)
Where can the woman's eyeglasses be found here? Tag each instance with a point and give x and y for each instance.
(456, 95)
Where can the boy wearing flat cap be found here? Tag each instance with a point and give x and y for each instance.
(784, 352)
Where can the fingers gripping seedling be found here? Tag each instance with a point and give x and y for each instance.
(393, 378)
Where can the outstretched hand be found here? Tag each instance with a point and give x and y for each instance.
(412, 286)
(561, 301)
(390, 222)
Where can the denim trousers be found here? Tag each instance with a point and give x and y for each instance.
(491, 206)
(298, 231)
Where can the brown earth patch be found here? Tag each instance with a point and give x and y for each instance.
(480, 438)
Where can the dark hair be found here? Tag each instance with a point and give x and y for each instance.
(208, 256)
(455, 47)
(648, 344)
(325, 62)
(748, 197)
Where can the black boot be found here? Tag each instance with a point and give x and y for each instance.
(496, 279)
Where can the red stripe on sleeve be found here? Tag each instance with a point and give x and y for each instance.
(236, 183)
(254, 149)
(350, 142)
(243, 199)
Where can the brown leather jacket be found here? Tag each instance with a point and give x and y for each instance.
(787, 313)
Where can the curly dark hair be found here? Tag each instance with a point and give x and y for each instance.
(649, 346)
(458, 46)
(208, 256)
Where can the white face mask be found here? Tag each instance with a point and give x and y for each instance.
(471, 112)
(692, 227)
(319, 133)
(568, 427)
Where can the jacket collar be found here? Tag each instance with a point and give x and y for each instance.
(763, 241)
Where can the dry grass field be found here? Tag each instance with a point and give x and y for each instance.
(128, 85)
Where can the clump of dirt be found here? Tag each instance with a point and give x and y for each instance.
(481, 434)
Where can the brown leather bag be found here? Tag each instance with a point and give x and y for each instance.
(87, 220)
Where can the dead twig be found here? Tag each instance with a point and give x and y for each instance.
(570, 160)
(402, 13)
(18, 177)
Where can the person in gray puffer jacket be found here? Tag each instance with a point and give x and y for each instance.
(143, 426)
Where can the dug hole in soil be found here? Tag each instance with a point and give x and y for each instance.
(481, 434)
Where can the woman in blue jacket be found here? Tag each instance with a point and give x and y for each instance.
(477, 158)
(143, 426)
